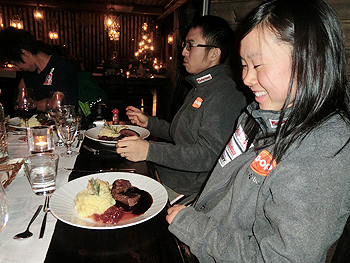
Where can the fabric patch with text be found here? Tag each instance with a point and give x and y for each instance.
(197, 103)
(204, 79)
(263, 163)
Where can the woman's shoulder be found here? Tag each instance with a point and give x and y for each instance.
(332, 134)
(335, 124)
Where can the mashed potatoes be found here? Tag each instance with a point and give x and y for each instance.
(33, 121)
(110, 133)
(96, 199)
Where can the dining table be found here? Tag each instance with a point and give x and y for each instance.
(148, 241)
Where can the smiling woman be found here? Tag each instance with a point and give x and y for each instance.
(267, 67)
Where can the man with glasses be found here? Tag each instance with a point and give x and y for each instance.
(203, 125)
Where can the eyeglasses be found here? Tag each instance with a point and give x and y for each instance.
(190, 45)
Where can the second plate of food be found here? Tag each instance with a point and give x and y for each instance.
(93, 133)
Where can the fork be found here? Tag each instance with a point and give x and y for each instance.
(46, 209)
(98, 151)
(80, 138)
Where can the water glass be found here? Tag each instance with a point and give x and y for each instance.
(67, 125)
(41, 172)
(40, 139)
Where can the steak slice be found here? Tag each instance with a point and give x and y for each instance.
(128, 198)
(122, 192)
(120, 186)
(127, 133)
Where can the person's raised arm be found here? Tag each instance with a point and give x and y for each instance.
(136, 116)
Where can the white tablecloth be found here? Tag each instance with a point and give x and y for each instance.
(22, 205)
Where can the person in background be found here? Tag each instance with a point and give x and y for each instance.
(43, 72)
(280, 192)
(204, 123)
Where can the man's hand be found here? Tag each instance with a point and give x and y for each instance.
(133, 148)
(173, 211)
(136, 116)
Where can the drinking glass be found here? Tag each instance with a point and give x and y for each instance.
(41, 172)
(67, 125)
(24, 105)
(55, 101)
(4, 213)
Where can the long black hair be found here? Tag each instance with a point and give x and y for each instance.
(319, 67)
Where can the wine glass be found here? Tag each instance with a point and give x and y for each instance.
(24, 105)
(56, 100)
(67, 125)
(4, 213)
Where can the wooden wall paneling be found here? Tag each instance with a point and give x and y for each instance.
(45, 28)
(77, 37)
(6, 16)
(2, 11)
(129, 37)
(59, 27)
(123, 49)
(100, 43)
(81, 32)
(29, 18)
(36, 26)
(85, 39)
(94, 39)
(70, 29)
(65, 28)
(91, 40)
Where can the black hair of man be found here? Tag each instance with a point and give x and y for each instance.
(216, 32)
(13, 41)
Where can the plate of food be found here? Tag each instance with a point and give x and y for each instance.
(36, 120)
(109, 134)
(108, 200)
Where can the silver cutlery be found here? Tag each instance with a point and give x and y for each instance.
(27, 233)
(129, 170)
(46, 210)
(80, 138)
(98, 151)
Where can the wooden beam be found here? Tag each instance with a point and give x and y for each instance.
(98, 7)
(171, 7)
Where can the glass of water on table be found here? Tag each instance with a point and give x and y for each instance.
(41, 172)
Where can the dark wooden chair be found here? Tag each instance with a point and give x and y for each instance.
(342, 250)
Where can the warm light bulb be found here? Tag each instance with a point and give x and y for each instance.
(38, 14)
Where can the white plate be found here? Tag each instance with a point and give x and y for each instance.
(93, 133)
(62, 201)
(16, 123)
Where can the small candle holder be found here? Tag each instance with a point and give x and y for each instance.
(40, 139)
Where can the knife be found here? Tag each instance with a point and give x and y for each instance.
(98, 151)
(46, 210)
(130, 170)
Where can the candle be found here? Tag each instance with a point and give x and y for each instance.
(40, 139)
